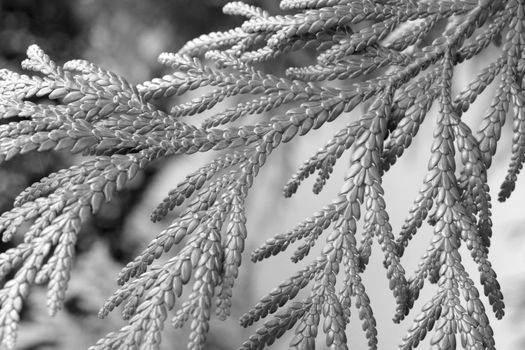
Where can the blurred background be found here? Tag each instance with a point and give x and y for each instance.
(126, 37)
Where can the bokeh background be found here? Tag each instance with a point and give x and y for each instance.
(126, 37)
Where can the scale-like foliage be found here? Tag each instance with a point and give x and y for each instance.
(81, 108)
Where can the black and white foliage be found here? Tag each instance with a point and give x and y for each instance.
(82, 108)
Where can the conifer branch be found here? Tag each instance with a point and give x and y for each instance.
(377, 47)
